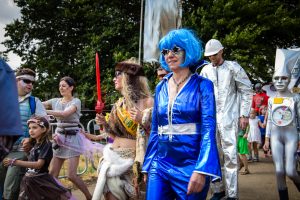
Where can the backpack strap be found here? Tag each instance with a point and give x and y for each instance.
(32, 104)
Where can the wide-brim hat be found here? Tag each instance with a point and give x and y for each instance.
(130, 68)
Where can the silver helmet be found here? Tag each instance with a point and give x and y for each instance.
(287, 68)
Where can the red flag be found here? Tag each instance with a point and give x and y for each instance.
(100, 105)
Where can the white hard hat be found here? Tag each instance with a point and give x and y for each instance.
(212, 47)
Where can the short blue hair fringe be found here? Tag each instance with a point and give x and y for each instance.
(185, 39)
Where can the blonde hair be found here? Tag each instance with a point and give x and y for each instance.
(134, 88)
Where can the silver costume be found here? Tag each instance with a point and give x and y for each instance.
(233, 94)
(283, 120)
(160, 18)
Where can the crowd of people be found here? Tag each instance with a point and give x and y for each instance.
(170, 145)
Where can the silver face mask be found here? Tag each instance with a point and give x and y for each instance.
(281, 82)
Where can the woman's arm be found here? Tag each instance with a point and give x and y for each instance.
(47, 104)
(62, 114)
(93, 137)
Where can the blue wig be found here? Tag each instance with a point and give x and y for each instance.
(185, 39)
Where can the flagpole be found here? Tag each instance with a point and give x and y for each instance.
(141, 31)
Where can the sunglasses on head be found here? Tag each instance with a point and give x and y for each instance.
(118, 73)
(175, 50)
(27, 81)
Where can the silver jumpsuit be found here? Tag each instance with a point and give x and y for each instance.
(233, 94)
(282, 125)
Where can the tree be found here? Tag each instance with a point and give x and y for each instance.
(60, 37)
(250, 30)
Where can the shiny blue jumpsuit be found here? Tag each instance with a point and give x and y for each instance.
(182, 140)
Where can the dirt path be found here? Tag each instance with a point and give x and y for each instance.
(260, 184)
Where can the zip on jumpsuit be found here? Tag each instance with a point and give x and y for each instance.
(233, 93)
(182, 140)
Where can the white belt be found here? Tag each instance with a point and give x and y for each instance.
(178, 129)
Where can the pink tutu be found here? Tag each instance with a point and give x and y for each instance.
(85, 146)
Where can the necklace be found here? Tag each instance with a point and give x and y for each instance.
(180, 82)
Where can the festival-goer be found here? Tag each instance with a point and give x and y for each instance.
(37, 182)
(233, 93)
(182, 155)
(9, 111)
(254, 136)
(262, 126)
(10, 178)
(161, 73)
(283, 122)
(129, 126)
(243, 150)
(67, 112)
(260, 98)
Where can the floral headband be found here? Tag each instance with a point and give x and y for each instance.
(38, 122)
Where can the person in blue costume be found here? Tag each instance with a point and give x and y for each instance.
(10, 126)
(182, 156)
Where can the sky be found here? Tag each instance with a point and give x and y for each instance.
(8, 12)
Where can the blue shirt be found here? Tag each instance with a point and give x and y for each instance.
(262, 130)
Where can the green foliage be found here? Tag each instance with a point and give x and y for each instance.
(250, 30)
(60, 37)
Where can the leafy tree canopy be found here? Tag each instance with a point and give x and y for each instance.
(59, 37)
(250, 30)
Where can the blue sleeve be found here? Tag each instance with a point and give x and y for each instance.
(153, 139)
(208, 161)
(10, 113)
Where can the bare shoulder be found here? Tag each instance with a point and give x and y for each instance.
(147, 102)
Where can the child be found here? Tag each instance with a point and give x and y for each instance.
(254, 137)
(37, 183)
(262, 125)
(243, 149)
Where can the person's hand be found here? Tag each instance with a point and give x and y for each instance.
(245, 136)
(145, 178)
(244, 121)
(100, 119)
(7, 162)
(266, 146)
(26, 144)
(136, 115)
(196, 183)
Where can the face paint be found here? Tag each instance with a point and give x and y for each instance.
(281, 83)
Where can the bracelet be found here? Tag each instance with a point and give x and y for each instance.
(12, 162)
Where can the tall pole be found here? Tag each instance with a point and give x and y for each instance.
(141, 31)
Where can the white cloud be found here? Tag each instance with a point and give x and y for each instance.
(8, 12)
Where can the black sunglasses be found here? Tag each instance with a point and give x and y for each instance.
(175, 50)
(27, 81)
